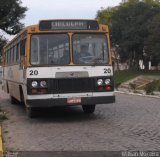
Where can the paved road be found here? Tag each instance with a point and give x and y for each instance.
(132, 123)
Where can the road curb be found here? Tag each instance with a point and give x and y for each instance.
(135, 94)
(1, 148)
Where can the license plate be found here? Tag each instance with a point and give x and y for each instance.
(73, 100)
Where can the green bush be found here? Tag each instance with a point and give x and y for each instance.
(158, 86)
(153, 86)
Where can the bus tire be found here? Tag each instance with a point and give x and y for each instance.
(14, 100)
(88, 109)
(30, 112)
(21, 96)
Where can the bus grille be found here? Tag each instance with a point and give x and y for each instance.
(74, 85)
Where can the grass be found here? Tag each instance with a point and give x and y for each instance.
(125, 75)
(3, 117)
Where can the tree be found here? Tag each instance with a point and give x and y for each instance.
(105, 14)
(152, 45)
(129, 28)
(3, 41)
(11, 12)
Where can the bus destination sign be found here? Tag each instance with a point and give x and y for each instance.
(68, 25)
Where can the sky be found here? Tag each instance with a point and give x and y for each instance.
(62, 9)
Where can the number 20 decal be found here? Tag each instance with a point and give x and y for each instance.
(107, 71)
(33, 72)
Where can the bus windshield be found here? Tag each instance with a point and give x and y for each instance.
(49, 49)
(90, 49)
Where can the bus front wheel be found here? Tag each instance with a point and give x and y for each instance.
(89, 109)
(30, 112)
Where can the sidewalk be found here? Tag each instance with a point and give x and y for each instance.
(3, 95)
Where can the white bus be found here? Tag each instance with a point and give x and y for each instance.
(59, 63)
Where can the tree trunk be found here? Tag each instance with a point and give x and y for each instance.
(116, 61)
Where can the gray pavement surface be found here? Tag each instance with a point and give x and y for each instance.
(132, 123)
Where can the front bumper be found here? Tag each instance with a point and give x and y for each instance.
(63, 101)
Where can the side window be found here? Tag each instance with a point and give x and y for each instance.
(22, 47)
(17, 52)
(35, 50)
(6, 54)
(7, 57)
(11, 56)
(3, 57)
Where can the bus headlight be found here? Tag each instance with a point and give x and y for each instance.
(99, 82)
(43, 84)
(34, 84)
(107, 81)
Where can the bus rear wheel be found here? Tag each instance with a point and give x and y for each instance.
(89, 109)
(14, 100)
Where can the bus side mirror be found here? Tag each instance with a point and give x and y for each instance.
(22, 47)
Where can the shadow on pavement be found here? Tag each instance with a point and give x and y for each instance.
(63, 114)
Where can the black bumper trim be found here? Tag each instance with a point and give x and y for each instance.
(63, 101)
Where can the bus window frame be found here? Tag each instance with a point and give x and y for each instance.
(108, 50)
(17, 53)
(49, 33)
(22, 47)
